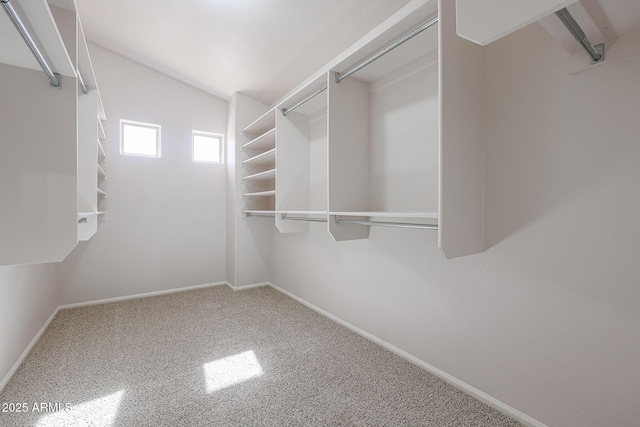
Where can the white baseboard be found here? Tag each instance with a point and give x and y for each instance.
(480, 395)
(245, 287)
(145, 295)
(26, 351)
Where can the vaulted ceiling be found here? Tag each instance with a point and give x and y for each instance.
(259, 47)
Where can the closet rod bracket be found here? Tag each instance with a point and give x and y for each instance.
(599, 48)
(57, 84)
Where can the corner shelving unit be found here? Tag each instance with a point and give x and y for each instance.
(91, 134)
(102, 158)
(260, 166)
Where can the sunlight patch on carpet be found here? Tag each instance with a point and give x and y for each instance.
(231, 370)
(99, 412)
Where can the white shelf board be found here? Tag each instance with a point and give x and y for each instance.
(422, 215)
(261, 194)
(261, 176)
(101, 113)
(64, 4)
(102, 155)
(88, 214)
(101, 172)
(268, 157)
(266, 140)
(262, 124)
(102, 193)
(102, 136)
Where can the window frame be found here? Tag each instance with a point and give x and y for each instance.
(158, 129)
(219, 136)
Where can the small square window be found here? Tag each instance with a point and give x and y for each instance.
(207, 147)
(139, 139)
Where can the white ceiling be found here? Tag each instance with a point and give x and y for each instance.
(262, 48)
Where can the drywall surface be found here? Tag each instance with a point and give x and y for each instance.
(30, 295)
(547, 319)
(165, 222)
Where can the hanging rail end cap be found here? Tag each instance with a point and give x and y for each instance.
(338, 79)
(284, 111)
(600, 49)
(58, 81)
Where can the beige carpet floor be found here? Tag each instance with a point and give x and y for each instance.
(214, 357)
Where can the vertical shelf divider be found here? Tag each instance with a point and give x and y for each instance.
(461, 193)
(348, 154)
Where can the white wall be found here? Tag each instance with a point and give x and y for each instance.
(165, 225)
(30, 295)
(547, 319)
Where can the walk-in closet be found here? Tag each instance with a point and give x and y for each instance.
(319, 213)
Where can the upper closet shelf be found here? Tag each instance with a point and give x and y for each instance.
(266, 140)
(262, 124)
(484, 21)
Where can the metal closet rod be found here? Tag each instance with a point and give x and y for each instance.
(286, 111)
(302, 218)
(339, 220)
(260, 215)
(401, 40)
(55, 78)
(369, 60)
(596, 52)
